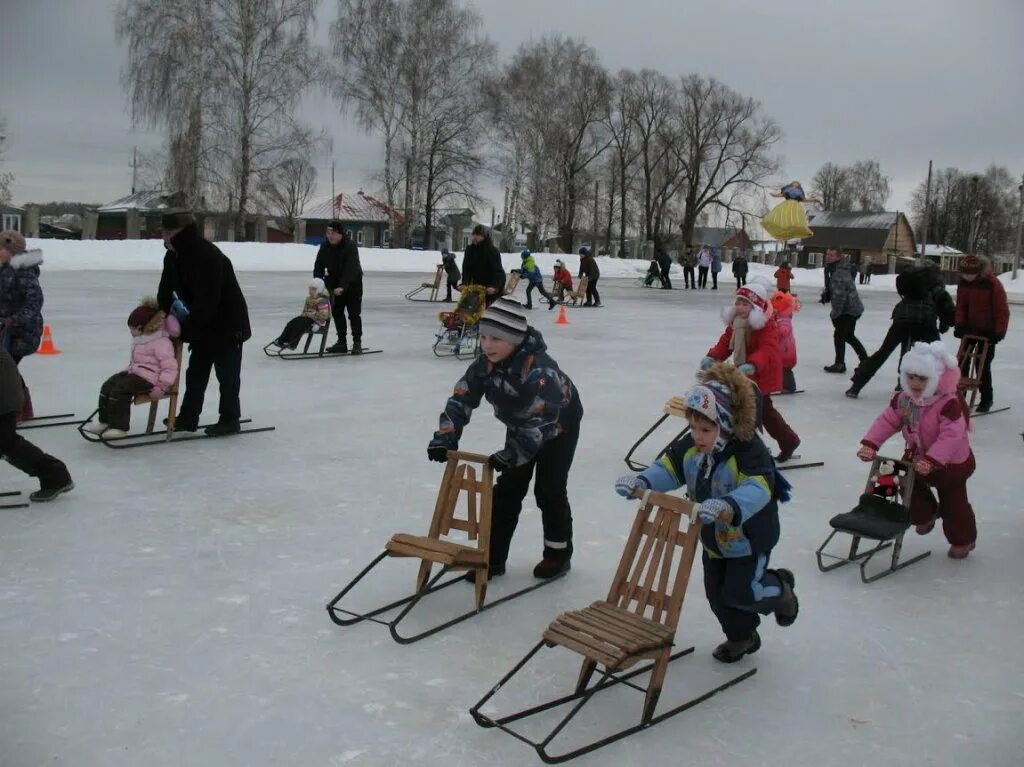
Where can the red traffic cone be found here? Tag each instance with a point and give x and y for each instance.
(563, 318)
(47, 347)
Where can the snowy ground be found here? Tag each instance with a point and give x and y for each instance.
(171, 610)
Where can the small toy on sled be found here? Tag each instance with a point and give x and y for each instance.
(882, 516)
(459, 335)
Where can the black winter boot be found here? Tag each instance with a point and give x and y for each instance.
(730, 652)
(357, 347)
(492, 572)
(44, 494)
(550, 567)
(790, 605)
(838, 367)
(223, 429)
(787, 453)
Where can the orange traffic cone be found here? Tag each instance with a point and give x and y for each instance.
(47, 347)
(563, 318)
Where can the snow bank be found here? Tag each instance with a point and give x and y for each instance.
(147, 255)
(1014, 288)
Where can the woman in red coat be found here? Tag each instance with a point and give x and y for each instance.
(751, 338)
(981, 310)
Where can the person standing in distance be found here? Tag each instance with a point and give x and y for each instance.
(199, 287)
(337, 264)
(481, 265)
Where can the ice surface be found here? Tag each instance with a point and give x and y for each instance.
(171, 610)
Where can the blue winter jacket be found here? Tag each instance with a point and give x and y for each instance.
(21, 303)
(533, 398)
(743, 475)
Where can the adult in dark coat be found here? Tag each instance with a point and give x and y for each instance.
(198, 285)
(846, 309)
(981, 310)
(52, 474)
(590, 269)
(665, 265)
(481, 265)
(739, 271)
(337, 264)
(922, 314)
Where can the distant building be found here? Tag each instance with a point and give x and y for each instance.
(10, 218)
(367, 219)
(870, 239)
(151, 206)
(721, 237)
(948, 258)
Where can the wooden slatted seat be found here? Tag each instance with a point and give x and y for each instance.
(580, 292)
(443, 552)
(171, 395)
(971, 356)
(434, 287)
(609, 634)
(512, 283)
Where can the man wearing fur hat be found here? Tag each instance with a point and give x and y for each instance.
(981, 310)
(751, 338)
(198, 285)
(337, 264)
(729, 472)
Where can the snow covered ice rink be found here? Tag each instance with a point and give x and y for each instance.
(170, 611)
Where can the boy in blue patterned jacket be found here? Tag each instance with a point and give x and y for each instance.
(541, 410)
(730, 473)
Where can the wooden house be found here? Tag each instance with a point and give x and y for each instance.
(875, 241)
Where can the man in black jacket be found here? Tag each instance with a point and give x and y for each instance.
(481, 265)
(337, 264)
(198, 285)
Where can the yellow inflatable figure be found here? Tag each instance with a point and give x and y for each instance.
(788, 220)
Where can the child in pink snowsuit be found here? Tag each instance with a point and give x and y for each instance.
(933, 418)
(153, 370)
(785, 306)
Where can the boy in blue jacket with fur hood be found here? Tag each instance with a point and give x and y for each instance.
(730, 473)
(541, 411)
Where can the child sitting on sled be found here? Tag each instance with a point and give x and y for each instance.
(730, 473)
(152, 370)
(315, 312)
(933, 417)
(563, 280)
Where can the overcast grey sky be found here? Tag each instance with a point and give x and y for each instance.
(901, 81)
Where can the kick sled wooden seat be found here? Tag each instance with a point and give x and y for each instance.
(882, 515)
(512, 283)
(150, 436)
(434, 287)
(437, 548)
(579, 293)
(972, 355)
(637, 622)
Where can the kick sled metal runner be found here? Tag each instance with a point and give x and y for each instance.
(882, 515)
(19, 504)
(637, 622)
(49, 421)
(460, 476)
(276, 352)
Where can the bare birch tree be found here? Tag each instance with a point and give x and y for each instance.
(868, 186)
(831, 185)
(168, 76)
(288, 188)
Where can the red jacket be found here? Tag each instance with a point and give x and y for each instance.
(562, 276)
(762, 353)
(784, 277)
(981, 306)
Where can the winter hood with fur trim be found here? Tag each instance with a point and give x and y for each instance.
(21, 302)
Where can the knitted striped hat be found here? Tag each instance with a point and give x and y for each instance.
(505, 319)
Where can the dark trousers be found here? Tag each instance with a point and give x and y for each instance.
(540, 289)
(666, 280)
(737, 590)
(714, 280)
(900, 335)
(788, 380)
(741, 280)
(293, 332)
(26, 457)
(351, 301)
(550, 471)
(227, 364)
(649, 279)
(952, 507)
(844, 326)
(689, 277)
(702, 278)
(593, 297)
(985, 389)
(452, 285)
(776, 425)
(116, 395)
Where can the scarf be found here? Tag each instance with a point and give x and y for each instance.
(738, 344)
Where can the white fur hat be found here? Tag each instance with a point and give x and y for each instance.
(317, 283)
(756, 293)
(928, 360)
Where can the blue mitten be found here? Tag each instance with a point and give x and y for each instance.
(711, 509)
(747, 369)
(178, 308)
(706, 363)
(627, 483)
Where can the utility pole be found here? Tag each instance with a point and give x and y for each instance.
(927, 211)
(135, 167)
(1020, 229)
(597, 193)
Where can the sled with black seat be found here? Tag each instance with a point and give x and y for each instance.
(459, 335)
(636, 623)
(274, 351)
(875, 518)
(438, 548)
(150, 436)
(434, 288)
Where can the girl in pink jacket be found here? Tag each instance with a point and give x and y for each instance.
(153, 370)
(933, 418)
(785, 306)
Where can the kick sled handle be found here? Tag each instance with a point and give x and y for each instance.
(462, 455)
